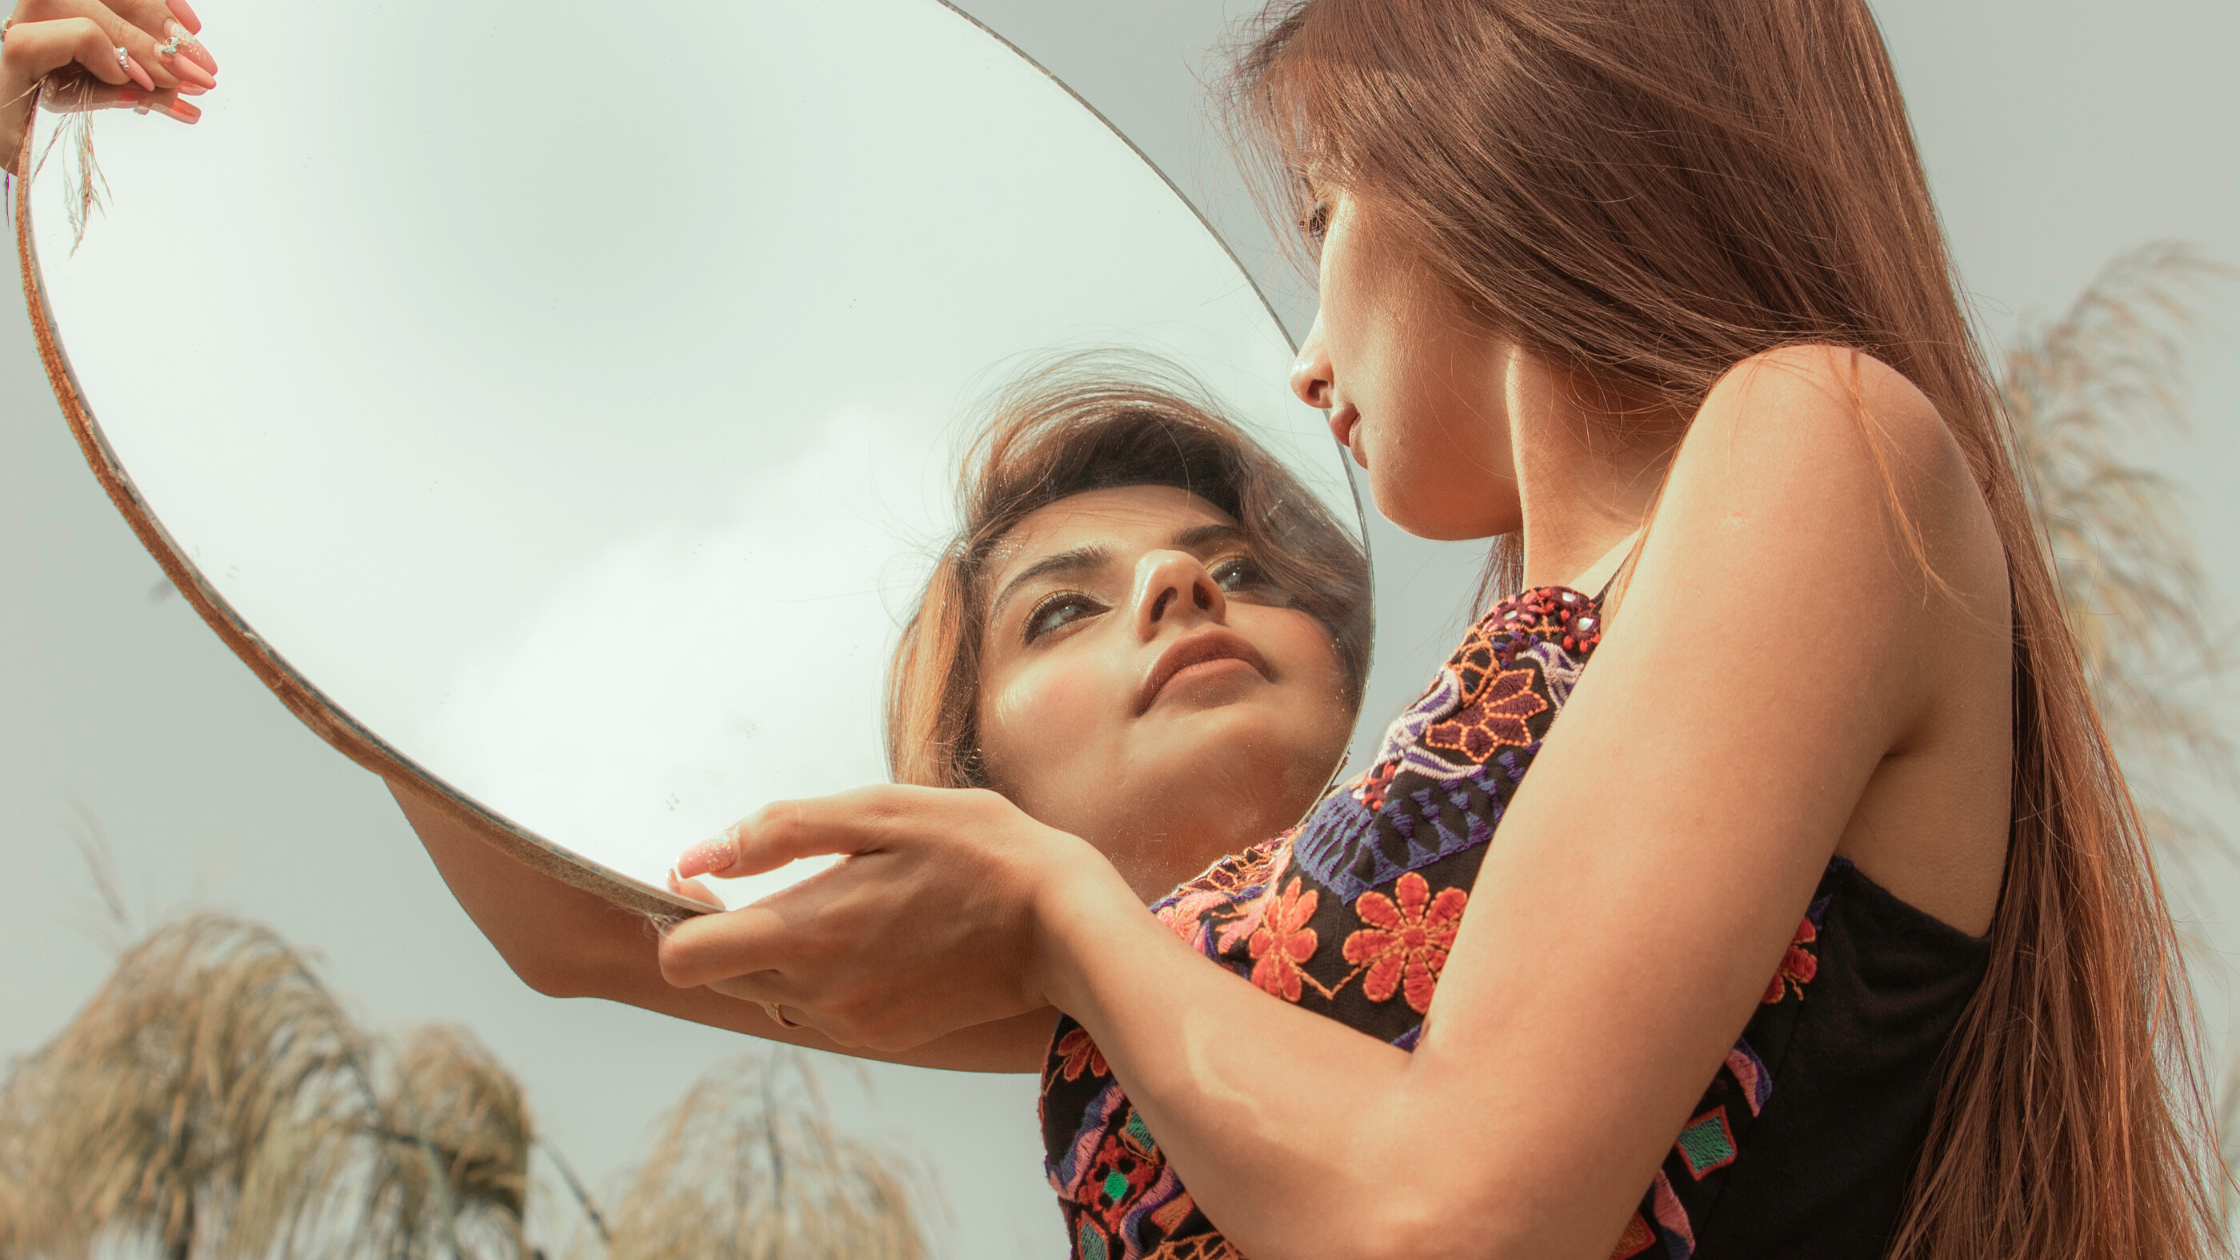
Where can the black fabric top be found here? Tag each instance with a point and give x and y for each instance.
(1804, 1141)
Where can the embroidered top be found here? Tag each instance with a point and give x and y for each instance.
(1804, 1140)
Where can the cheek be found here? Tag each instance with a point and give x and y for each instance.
(1037, 722)
(1302, 650)
(1438, 471)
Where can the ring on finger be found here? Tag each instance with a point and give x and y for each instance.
(778, 1015)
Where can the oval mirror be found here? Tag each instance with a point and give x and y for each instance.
(577, 453)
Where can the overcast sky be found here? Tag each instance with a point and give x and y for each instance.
(2058, 133)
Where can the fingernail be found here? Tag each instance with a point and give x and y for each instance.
(183, 43)
(180, 10)
(177, 111)
(191, 89)
(708, 855)
(189, 72)
(132, 68)
(140, 108)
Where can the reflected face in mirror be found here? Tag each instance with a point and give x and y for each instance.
(1146, 685)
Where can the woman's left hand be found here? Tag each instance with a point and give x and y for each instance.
(931, 922)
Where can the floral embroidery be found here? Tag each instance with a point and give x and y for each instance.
(1707, 1144)
(1637, 1239)
(1199, 1248)
(1241, 928)
(1078, 1052)
(1798, 966)
(1405, 942)
(1492, 717)
(1284, 942)
(1221, 887)
(1371, 789)
(1385, 862)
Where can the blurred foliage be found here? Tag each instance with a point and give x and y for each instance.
(749, 1165)
(2083, 392)
(214, 1100)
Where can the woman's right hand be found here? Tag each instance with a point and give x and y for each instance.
(161, 61)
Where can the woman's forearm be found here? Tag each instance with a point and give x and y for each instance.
(1298, 1136)
(565, 942)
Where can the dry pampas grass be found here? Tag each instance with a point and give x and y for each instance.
(2083, 391)
(214, 1100)
(749, 1166)
(206, 1101)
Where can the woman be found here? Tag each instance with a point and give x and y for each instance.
(1822, 923)
(1146, 632)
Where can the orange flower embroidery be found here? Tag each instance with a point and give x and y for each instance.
(1080, 1053)
(1798, 966)
(1491, 717)
(1284, 942)
(1405, 944)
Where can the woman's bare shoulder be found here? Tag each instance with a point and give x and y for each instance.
(1843, 462)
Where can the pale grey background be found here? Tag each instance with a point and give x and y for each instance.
(2058, 132)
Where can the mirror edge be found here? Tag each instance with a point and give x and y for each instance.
(302, 699)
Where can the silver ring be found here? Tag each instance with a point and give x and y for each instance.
(778, 1016)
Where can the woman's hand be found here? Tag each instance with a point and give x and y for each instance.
(932, 922)
(160, 60)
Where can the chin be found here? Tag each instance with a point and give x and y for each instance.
(1251, 744)
(1402, 500)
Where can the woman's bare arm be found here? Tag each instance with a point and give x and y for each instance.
(1777, 645)
(565, 942)
(1778, 650)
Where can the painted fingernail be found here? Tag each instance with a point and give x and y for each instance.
(191, 89)
(180, 10)
(708, 855)
(180, 42)
(132, 69)
(177, 111)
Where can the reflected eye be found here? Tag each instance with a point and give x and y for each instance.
(1058, 611)
(1316, 223)
(1242, 575)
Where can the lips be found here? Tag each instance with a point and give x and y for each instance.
(1342, 419)
(1345, 420)
(1197, 648)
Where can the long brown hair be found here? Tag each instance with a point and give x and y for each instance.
(1650, 191)
(1100, 421)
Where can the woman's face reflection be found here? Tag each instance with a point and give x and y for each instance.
(1145, 687)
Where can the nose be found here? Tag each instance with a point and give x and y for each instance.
(1311, 376)
(1173, 586)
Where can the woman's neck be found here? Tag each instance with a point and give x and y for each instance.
(1589, 468)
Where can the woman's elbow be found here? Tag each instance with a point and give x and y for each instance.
(1423, 1221)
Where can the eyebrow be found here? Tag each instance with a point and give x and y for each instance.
(1085, 559)
(1078, 560)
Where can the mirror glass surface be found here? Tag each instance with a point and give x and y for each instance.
(582, 436)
